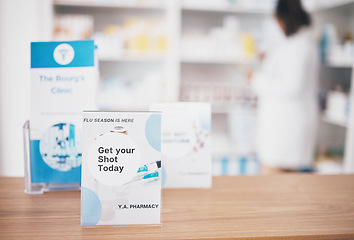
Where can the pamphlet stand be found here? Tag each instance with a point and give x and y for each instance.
(39, 188)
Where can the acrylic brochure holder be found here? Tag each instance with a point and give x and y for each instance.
(64, 77)
(39, 187)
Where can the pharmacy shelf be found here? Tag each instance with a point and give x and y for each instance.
(327, 5)
(217, 61)
(338, 65)
(132, 59)
(233, 8)
(131, 108)
(220, 108)
(225, 9)
(108, 4)
(334, 121)
(208, 61)
(216, 107)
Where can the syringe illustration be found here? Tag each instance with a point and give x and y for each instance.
(148, 171)
(150, 167)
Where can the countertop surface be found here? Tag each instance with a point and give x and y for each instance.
(294, 206)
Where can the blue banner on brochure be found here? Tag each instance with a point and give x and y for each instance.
(62, 54)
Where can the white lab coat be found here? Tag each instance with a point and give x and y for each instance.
(286, 86)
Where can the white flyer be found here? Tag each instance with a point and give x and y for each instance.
(121, 170)
(186, 150)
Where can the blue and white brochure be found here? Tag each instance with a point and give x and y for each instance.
(121, 169)
(186, 139)
(63, 84)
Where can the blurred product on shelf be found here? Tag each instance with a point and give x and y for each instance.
(115, 2)
(242, 121)
(136, 38)
(132, 2)
(330, 161)
(242, 4)
(129, 94)
(329, 167)
(220, 94)
(235, 153)
(337, 107)
(225, 43)
(69, 27)
(235, 165)
(335, 50)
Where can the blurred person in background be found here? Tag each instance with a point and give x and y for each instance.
(286, 86)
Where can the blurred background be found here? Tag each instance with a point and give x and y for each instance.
(181, 50)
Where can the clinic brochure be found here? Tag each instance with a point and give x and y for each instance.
(186, 150)
(63, 83)
(121, 170)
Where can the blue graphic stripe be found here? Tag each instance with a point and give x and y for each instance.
(42, 54)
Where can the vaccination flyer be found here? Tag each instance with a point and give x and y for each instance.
(121, 170)
(63, 83)
(186, 150)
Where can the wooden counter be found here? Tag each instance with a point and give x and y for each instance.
(283, 206)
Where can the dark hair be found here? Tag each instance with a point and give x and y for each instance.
(292, 15)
